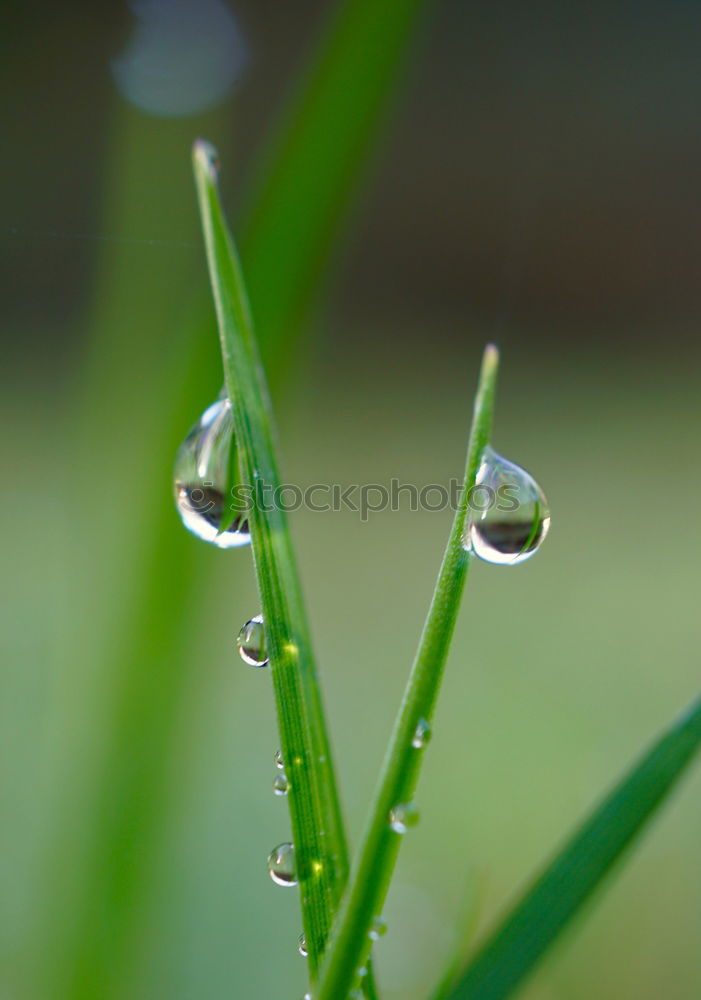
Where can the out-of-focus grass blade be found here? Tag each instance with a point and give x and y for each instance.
(142, 652)
(466, 930)
(314, 161)
(379, 846)
(556, 896)
(320, 848)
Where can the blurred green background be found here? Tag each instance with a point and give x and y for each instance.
(534, 180)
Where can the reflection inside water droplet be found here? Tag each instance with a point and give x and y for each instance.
(282, 866)
(508, 516)
(251, 642)
(205, 471)
(302, 946)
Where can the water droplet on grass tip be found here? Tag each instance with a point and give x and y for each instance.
(251, 643)
(204, 468)
(282, 866)
(302, 946)
(422, 734)
(280, 786)
(403, 816)
(508, 517)
(279, 763)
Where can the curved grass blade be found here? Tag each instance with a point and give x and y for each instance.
(370, 879)
(320, 847)
(558, 894)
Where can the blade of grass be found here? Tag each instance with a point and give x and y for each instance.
(320, 847)
(379, 847)
(557, 895)
(315, 158)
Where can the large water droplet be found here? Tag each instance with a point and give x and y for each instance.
(403, 816)
(508, 516)
(251, 642)
(422, 734)
(205, 469)
(280, 785)
(302, 946)
(282, 866)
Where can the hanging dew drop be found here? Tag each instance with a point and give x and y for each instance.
(508, 515)
(302, 946)
(279, 763)
(280, 785)
(403, 816)
(422, 734)
(282, 867)
(205, 469)
(251, 643)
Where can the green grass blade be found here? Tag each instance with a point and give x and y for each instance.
(560, 891)
(380, 845)
(314, 808)
(313, 164)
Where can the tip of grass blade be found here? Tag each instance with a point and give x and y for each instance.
(486, 386)
(490, 358)
(205, 158)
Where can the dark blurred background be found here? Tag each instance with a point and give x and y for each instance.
(534, 180)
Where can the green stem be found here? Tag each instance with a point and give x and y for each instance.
(371, 876)
(320, 846)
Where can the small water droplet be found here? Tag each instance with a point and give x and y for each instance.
(302, 946)
(508, 516)
(422, 734)
(251, 643)
(362, 972)
(279, 763)
(280, 786)
(378, 928)
(403, 816)
(282, 867)
(203, 478)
